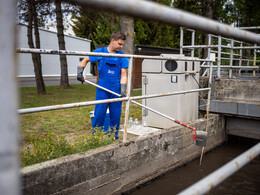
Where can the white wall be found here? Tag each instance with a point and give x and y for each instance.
(50, 63)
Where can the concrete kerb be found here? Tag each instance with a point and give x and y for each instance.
(120, 166)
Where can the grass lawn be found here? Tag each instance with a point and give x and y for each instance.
(48, 130)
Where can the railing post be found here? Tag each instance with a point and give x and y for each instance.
(129, 83)
(219, 55)
(9, 146)
(192, 42)
(240, 59)
(231, 58)
(254, 63)
(181, 40)
(209, 50)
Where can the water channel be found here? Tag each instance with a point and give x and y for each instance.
(244, 182)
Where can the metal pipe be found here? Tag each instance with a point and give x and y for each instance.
(64, 106)
(172, 16)
(231, 59)
(212, 180)
(226, 53)
(129, 83)
(199, 46)
(103, 88)
(219, 56)
(81, 53)
(254, 62)
(9, 122)
(215, 46)
(165, 116)
(249, 27)
(208, 106)
(233, 67)
(89, 103)
(192, 42)
(181, 40)
(240, 61)
(169, 93)
(247, 47)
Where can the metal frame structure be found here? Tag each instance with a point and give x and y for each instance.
(9, 166)
(219, 52)
(128, 99)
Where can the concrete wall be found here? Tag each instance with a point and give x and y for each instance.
(121, 166)
(246, 91)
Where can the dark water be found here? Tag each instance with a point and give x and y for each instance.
(244, 182)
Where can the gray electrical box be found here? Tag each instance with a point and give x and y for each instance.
(161, 76)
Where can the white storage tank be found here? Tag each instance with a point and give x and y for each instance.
(161, 76)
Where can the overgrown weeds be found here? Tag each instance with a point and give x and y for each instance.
(52, 134)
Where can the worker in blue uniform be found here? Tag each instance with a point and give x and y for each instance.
(113, 76)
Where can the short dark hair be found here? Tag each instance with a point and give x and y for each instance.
(118, 35)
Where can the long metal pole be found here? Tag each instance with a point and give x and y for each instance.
(129, 83)
(81, 53)
(233, 67)
(192, 42)
(208, 107)
(219, 55)
(240, 59)
(79, 104)
(209, 182)
(254, 63)
(166, 116)
(181, 40)
(172, 16)
(231, 59)
(9, 123)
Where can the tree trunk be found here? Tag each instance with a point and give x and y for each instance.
(208, 14)
(64, 80)
(127, 27)
(113, 22)
(36, 58)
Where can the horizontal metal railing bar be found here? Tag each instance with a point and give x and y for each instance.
(215, 46)
(89, 103)
(82, 53)
(212, 180)
(65, 106)
(227, 53)
(247, 47)
(172, 16)
(238, 59)
(249, 27)
(232, 67)
(198, 46)
(168, 94)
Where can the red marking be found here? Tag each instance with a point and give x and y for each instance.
(178, 121)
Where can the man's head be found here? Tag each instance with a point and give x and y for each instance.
(117, 41)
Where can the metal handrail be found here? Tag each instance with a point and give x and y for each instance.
(173, 16)
(82, 53)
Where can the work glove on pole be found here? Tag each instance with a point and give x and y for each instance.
(80, 70)
(123, 90)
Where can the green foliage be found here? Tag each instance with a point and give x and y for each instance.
(52, 146)
(52, 134)
(94, 25)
